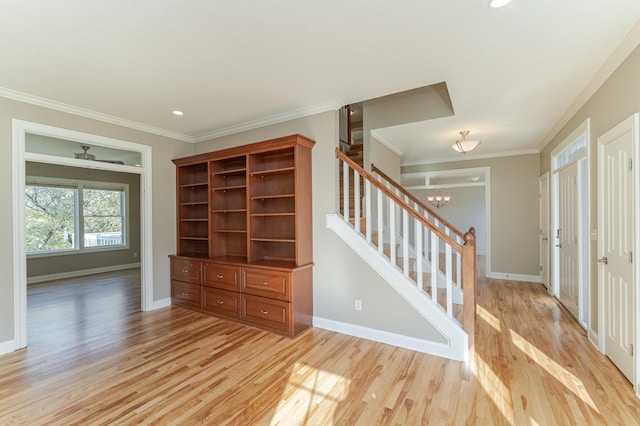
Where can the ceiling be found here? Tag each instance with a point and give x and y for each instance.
(512, 73)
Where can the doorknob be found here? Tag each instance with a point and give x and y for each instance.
(604, 260)
(559, 245)
(545, 239)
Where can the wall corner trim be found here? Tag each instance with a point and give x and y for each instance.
(162, 303)
(514, 277)
(7, 347)
(386, 337)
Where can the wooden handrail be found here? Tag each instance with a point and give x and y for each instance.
(417, 201)
(446, 238)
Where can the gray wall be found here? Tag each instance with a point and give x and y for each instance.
(616, 100)
(384, 159)
(340, 276)
(514, 209)
(39, 266)
(163, 177)
(465, 210)
(425, 103)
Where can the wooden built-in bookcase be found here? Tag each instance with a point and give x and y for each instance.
(244, 234)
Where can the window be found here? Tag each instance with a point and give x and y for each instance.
(66, 216)
(50, 218)
(103, 212)
(574, 151)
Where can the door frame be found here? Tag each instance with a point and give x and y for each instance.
(583, 129)
(20, 156)
(544, 199)
(633, 124)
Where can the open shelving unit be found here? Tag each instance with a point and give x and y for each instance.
(193, 210)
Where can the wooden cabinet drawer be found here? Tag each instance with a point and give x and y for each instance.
(186, 270)
(221, 276)
(260, 282)
(267, 313)
(221, 302)
(185, 293)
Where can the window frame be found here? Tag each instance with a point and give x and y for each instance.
(79, 186)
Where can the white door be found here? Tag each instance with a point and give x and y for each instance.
(544, 229)
(616, 244)
(567, 238)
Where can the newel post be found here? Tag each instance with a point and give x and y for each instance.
(469, 281)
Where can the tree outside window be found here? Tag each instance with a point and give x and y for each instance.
(50, 218)
(103, 217)
(63, 218)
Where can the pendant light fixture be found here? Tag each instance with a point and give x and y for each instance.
(438, 200)
(465, 145)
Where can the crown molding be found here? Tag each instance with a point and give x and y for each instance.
(386, 143)
(467, 157)
(622, 52)
(250, 125)
(83, 112)
(269, 120)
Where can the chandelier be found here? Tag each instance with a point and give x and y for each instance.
(438, 200)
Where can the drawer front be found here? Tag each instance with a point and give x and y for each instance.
(221, 276)
(185, 294)
(267, 313)
(260, 282)
(186, 270)
(221, 302)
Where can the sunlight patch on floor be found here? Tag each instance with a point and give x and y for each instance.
(554, 369)
(488, 317)
(307, 388)
(495, 389)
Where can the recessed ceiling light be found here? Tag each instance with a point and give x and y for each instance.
(498, 3)
(176, 112)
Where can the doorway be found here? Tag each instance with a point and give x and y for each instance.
(20, 156)
(618, 226)
(570, 281)
(543, 192)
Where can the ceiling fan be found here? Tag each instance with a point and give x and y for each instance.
(86, 156)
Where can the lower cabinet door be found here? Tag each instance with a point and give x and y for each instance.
(186, 294)
(267, 313)
(221, 302)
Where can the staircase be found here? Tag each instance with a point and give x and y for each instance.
(356, 154)
(427, 261)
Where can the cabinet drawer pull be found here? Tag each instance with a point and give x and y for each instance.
(184, 293)
(219, 276)
(220, 302)
(264, 282)
(185, 271)
(264, 312)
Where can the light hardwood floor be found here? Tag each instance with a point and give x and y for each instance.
(93, 358)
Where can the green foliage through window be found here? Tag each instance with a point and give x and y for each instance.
(50, 218)
(52, 214)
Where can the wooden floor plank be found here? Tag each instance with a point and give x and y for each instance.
(94, 358)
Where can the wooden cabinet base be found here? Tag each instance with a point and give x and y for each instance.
(276, 299)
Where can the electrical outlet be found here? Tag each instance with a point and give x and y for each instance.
(358, 305)
(135, 254)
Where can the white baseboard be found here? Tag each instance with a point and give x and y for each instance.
(593, 337)
(514, 277)
(80, 273)
(7, 347)
(162, 303)
(380, 336)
